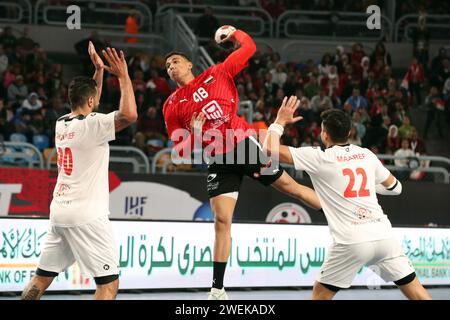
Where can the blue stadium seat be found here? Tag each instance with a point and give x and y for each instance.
(18, 137)
(157, 143)
(40, 141)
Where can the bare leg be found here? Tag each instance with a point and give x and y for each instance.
(320, 292)
(288, 185)
(107, 291)
(415, 291)
(222, 207)
(36, 287)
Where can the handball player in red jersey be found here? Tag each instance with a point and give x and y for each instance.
(203, 111)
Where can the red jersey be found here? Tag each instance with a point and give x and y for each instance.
(214, 94)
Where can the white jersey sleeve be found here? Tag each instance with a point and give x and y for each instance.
(100, 128)
(306, 158)
(381, 173)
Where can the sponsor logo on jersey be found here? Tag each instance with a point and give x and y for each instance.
(62, 188)
(212, 110)
(211, 177)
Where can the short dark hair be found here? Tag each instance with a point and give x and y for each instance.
(80, 89)
(337, 124)
(176, 53)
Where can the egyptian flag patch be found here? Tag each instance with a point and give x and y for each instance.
(209, 80)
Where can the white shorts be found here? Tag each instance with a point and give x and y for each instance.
(91, 245)
(385, 257)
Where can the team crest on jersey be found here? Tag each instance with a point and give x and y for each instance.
(209, 80)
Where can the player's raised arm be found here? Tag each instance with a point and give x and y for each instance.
(127, 113)
(237, 60)
(99, 68)
(272, 141)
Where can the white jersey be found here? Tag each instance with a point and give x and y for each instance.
(82, 190)
(344, 178)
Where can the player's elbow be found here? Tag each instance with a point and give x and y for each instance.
(132, 117)
(252, 48)
(398, 189)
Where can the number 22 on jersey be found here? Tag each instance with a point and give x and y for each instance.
(349, 191)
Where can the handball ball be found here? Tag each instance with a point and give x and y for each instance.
(223, 33)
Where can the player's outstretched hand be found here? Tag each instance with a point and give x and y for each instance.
(117, 63)
(224, 33)
(95, 58)
(197, 122)
(287, 109)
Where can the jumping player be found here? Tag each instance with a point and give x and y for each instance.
(230, 140)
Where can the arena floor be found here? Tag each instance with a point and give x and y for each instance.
(285, 294)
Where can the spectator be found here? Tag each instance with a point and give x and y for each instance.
(435, 106)
(404, 151)
(17, 91)
(6, 117)
(406, 129)
(416, 144)
(357, 53)
(132, 27)
(380, 53)
(158, 84)
(437, 64)
(32, 104)
(325, 65)
(356, 100)
(414, 80)
(365, 66)
(258, 123)
(56, 110)
(358, 124)
(321, 102)
(3, 62)
(393, 140)
(444, 73)
(312, 87)
(279, 76)
(149, 126)
(25, 41)
(206, 25)
(353, 137)
(139, 84)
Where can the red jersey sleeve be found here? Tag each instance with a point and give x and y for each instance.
(237, 60)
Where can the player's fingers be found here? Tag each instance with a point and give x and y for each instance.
(292, 101)
(90, 47)
(283, 104)
(107, 56)
(107, 68)
(297, 119)
(115, 55)
(297, 104)
(201, 117)
(194, 115)
(122, 56)
(111, 56)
